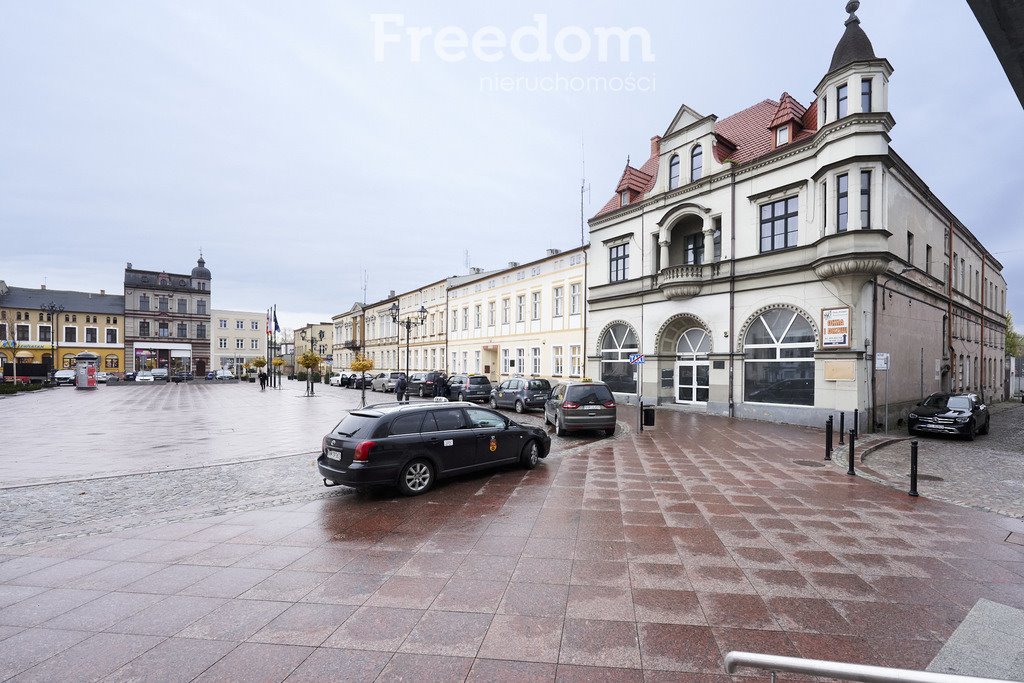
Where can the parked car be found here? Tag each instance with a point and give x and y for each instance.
(129, 376)
(385, 381)
(102, 377)
(64, 377)
(339, 379)
(211, 375)
(361, 381)
(959, 414)
(521, 394)
(469, 388)
(224, 374)
(182, 376)
(422, 383)
(160, 374)
(573, 406)
(144, 376)
(413, 445)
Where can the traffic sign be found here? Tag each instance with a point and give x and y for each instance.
(637, 359)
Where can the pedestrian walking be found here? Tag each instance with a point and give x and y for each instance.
(263, 380)
(401, 385)
(439, 384)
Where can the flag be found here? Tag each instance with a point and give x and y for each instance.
(268, 322)
(277, 328)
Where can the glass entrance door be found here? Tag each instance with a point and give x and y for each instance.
(693, 371)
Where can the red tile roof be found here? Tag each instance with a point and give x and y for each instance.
(742, 137)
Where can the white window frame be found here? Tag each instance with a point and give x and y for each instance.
(574, 298)
(222, 323)
(575, 361)
(520, 308)
(222, 343)
(240, 344)
(535, 305)
(557, 295)
(505, 361)
(557, 361)
(535, 360)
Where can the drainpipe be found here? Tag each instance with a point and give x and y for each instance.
(447, 323)
(874, 341)
(981, 340)
(949, 311)
(732, 290)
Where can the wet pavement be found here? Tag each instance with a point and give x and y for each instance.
(647, 556)
(987, 473)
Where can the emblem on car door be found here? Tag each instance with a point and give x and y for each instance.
(494, 444)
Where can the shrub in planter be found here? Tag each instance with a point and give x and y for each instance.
(316, 377)
(301, 376)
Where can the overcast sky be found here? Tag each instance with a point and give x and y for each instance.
(297, 146)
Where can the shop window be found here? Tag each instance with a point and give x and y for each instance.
(616, 346)
(111, 362)
(779, 359)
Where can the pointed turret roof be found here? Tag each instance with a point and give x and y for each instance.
(854, 46)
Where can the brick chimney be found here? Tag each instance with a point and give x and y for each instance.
(42, 286)
(656, 146)
(103, 292)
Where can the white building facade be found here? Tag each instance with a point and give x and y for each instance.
(238, 338)
(767, 262)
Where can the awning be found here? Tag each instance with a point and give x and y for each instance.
(23, 354)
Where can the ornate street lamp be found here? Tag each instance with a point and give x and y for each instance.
(52, 312)
(408, 323)
(312, 348)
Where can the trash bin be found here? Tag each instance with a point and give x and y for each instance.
(648, 416)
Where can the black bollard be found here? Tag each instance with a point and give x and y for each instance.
(856, 422)
(828, 438)
(842, 428)
(913, 468)
(853, 437)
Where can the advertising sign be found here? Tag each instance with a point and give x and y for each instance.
(835, 328)
(881, 361)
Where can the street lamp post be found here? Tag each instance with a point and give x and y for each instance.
(312, 348)
(408, 324)
(53, 312)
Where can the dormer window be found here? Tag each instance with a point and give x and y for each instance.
(696, 163)
(624, 198)
(781, 135)
(673, 172)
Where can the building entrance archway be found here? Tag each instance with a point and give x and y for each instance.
(693, 370)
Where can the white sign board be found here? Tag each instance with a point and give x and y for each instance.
(881, 361)
(835, 328)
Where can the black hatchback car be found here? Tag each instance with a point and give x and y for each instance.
(958, 414)
(413, 445)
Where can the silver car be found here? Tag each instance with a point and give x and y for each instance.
(573, 406)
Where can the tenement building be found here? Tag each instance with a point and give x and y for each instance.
(239, 337)
(785, 263)
(167, 319)
(40, 325)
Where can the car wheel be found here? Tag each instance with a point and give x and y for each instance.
(531, 455)
(462, 396)
(494, 404)
(421, 392)
(520, 408)
(559, 429)
(984, 430)
(610, 431)
(415, 478)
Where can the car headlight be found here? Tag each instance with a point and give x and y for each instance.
(913, 416)
(962, 419)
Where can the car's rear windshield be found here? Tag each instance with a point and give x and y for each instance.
(356, 425)
(479, 380)
(538, 385)
(588, 394)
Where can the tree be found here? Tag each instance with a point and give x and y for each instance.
(362, 364)
(1014, 339)
(259, 363)
(309, 360)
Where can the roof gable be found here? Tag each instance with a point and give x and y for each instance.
(684, 117)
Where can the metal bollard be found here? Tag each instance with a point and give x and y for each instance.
(856, 422)
(828, 438)
(853, 437)
(842, 428)
(913, 469)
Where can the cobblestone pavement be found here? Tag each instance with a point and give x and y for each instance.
(647, 556)
(66, 434)
(987, 473)
(55, 510)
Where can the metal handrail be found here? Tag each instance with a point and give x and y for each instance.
(841, 670)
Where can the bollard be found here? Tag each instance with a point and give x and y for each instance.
(856, 422)
(842, 428)
(913, 469)
(853, 437)
(828, 438)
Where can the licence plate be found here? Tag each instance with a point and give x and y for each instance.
(334, 455)
(591, 407)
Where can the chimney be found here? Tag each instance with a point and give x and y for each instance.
(391, 294)
(656, 146)
(103, 292)
(513, 264)
(553, 252)
(42, 286)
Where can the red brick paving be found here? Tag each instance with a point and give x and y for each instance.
(649, 556)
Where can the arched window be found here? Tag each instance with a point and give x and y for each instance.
(673, 172)
(696, 163)
(692, 367)
(69, 360)
(616, 346)
(779, 359)
(110, 363)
